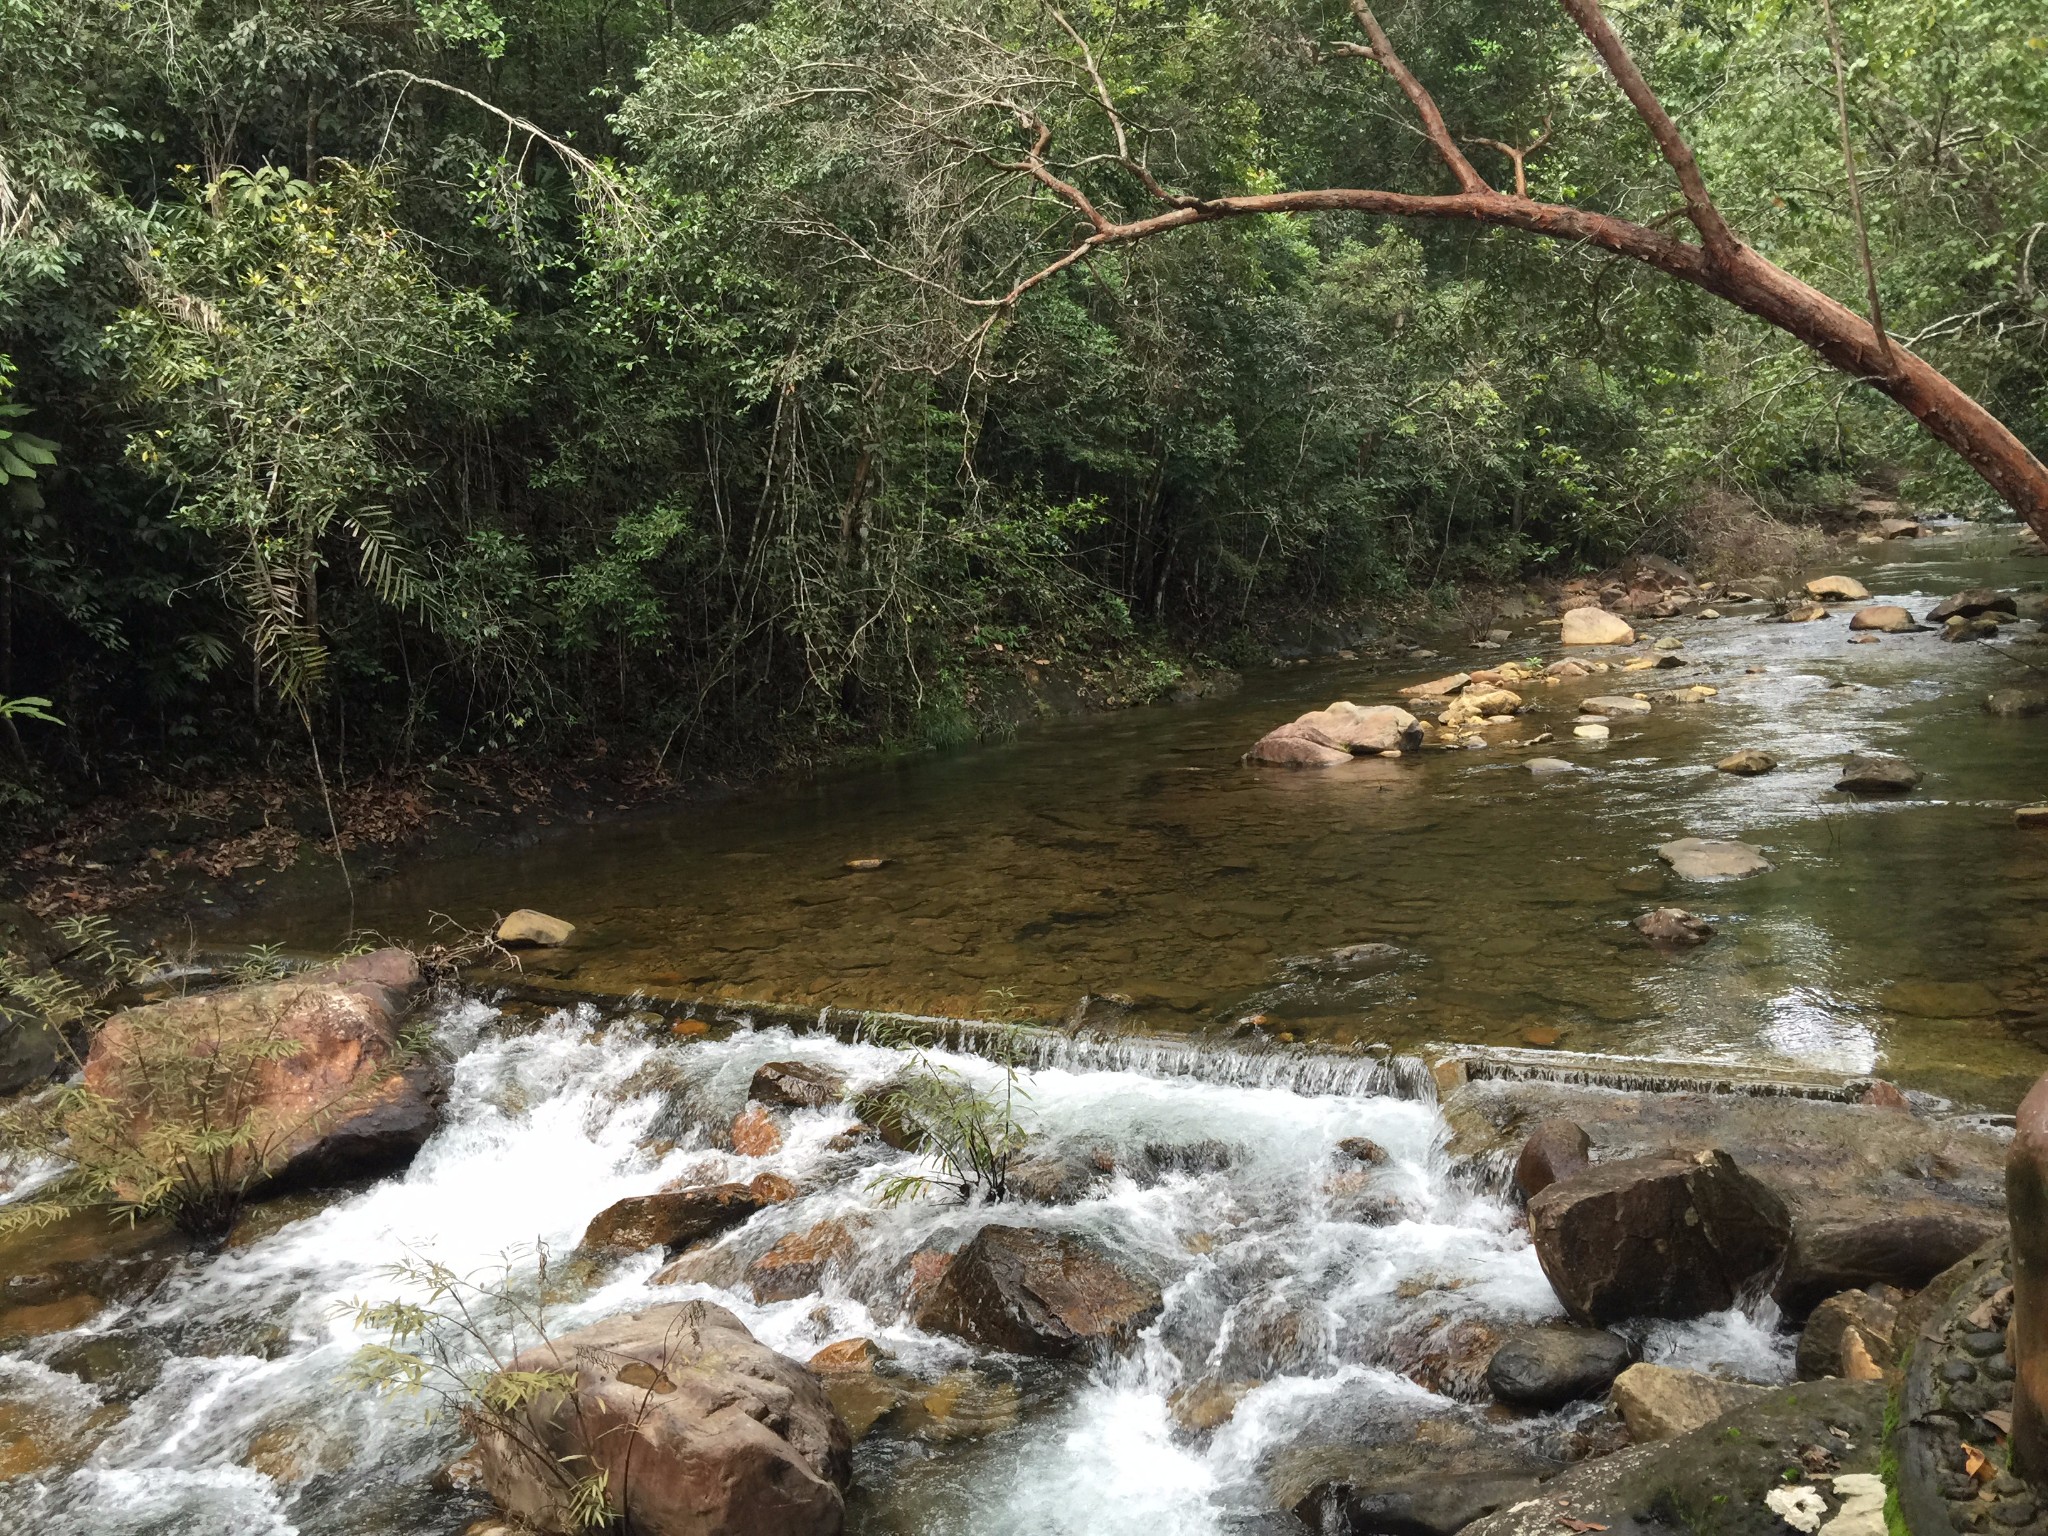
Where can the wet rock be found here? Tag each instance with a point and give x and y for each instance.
(1673, 928)
(1802, 613)
(1886, 618)
(1824, 1348)
(1295, 746)
(1664, 1236)
(1594, 626)
(1713, 858)
(2026, 1193)
(1877, 773)
(1591, 730)
(851, 1371)
(528, 929)
(1363, 1149)
(1615, 704)
(1348, 960)
(1544, 767)
(887, 1111)
(796, 1085)
(1480, 704)
(1036, 1293)
(1984, 627)
(796, 1266)
(1363, 728)
(1972, 603)
(1051, 1178)
(2032, 818)
(1854, 1247)
(1556, 1149)
(1440, 688)
(1549, 1367)
(1837, 589)
(674, 1221)
(961, 1405)
(1660, 1402)
(1566, 669)
(1899, 528)
(2016, 703)
(1162, 1159)
(697, 1427)
(772, 1188)
(1434, 1486)
(1747, 763)
(1207, 1404)
(754, 1132)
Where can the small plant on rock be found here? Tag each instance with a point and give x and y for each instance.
(971, 1132)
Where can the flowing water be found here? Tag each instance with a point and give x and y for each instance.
(1305, 1306)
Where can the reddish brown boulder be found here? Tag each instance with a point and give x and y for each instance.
(1036, 1293)
(1673, 928)
(796, 1085)
(674, 1219)
(755, 1133)
(1675, 1235)
(697, 1428)
(796, 1266)
(1297, 746)
(1556, 1149)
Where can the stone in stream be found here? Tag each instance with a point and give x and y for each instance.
(1543, 767)
(2026, 1194)
(1439, 688)
(1673, 927)
(1556, 1149)
(796, 1085)
(1364, 728)
(1674, 1235)
(1899, 528)
(1051, 1177)
(528, 929)
(2016, 703)
(1713, 858)
(2031, 818)
(1348, 959)
(1036, 1293)
(1661, 1402)
(1566, 669)
(1747, 763)
(1293, 746)
(1971, 603)
(696, 1426)
(1802, 613)
(1435, 1486)
(1837, 588)
(673, 1220)
(1615, 704)
(1548, 1367)
(1959, 629)
(1824, 1348)
(1591, 730)
(796, 1265)
(1595, 626)
(1886, 618)
(1877, 773)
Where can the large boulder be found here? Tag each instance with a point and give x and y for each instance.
(1363, 728)
(1556, 1149)
(1903, 1244)
(1885, 618)
(1549, 1367)
(796, 1085)
(697, 1428)
(672, 1220)
(1594, 626)
(1036, 1293)
(1972, 603)
(1837, 589)
(1675, 1235)
(528, 929)
(1712, 858)
(2016, 703)
(325, 1089)
(1296, 746)
(1661, 1402)
(1825, 1347)
(1877, 773)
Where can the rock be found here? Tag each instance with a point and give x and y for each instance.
(1556, 1149)
(1051, 1178)
(1896, 1245)
(1660, 1402)
(886, 1110)
(1874, 773)
(1591, 730)
(1837, 588)
(2026, 1194)
(796, 1085)
(1673, 927)
(1802, 613)
(1712, 858)
(527, 928)
(1823, 1343)
(1364, 959)
(674, 1220)
(796, 1266)
(1972, 603)
(1441, 688)
(1983, 627)
(1566, 669)
(2033, 818)
(1899, 528)
(1476, 704)
(696, 1426)
(1543, 767)
(1549, 1367)
(865, 866)
(754, 1132)
(2016, 703)
(1292, 746)
(860, 1394)
(1363, 1149)
(1356, 728)
(1594, 626)
(1885, 617)
(1747, 763)
(343, 1105)
(772, 1188)
(1036, 1293)
(1615, 704)
(1664, 1236)
(1408, 1503)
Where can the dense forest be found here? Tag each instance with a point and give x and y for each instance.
(414, 377)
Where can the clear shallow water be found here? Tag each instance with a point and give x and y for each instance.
(1133, 854)
(230, 1415)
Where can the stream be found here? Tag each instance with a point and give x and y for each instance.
(209, 1395)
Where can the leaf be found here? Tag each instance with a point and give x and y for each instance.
(1571, 1523)
(1976, 1464)
(1999, 1419)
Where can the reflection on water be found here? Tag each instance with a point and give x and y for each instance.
(1133, 855)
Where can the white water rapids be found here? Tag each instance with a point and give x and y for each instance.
(1272, 1275)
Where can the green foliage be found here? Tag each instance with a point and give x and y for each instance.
(971, 1132)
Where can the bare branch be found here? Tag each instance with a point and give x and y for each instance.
(1382, 53)
(1849, 170)
(1519, 156)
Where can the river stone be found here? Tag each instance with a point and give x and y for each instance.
(1747, 763)
(1899, 528)
(1674, 1235)
(1837, 588)
(1294, 746)
(1713, 858)
(1877, 773)
(1543, 767)
(1661, 1402)
(674, 1219)
(796, 1265)
(1802, 613)
(1394, 1499)
(1615, 704)
(1959, 629)
(1594, 626)
(699, 1429)
(1363, 728)
(1036, 1293)
(796, 1085)
(1900, 1243)
(2016, 703)
(1051, 1178)
(1972, 602)
(1362, 959)
(1556, 1149)
(1824, 1341)
(1888, 618)
(1549, 1367)
(1591, 730)
(1440, 688)
(1673, 928)
(527, 928)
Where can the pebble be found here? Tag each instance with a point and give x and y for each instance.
(1998, 1367)
(2011, 1512)
(1985, 1343)
(1958, 1370)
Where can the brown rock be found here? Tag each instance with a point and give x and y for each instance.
(1036, 1293)
(1556, 1149)
(1668, 1236)
(1673, 928)
(1658, 1402)
(528, 929)
(674, 1220)
(696, 1427)
(1883, 1095)
(796, 1085)
(1363, 1149)
(846, 1355)
(1837, 588)
(796, 1266)
(1294, 746)
(1441, 688)
(1824, 1344)
(1591, 626)
(1747, 763)
(1873, 773)
(754, 1132)
(1363, 728)
(1972, 603)
(772, 1188)
(1883, 617)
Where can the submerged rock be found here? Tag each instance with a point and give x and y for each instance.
(1550, 1366)
(1747, 763)
(1713, 858)
(1615, 704)
(1877, 773)
(697, 1427)
(1666, 1236)
(1595, 626)
(1660, 1402)
(674, 1220)
(1363, 728)
(796, 1085)
(1971, 603)
(796, 1265)
(1036, 1293)
(1543, 767)
(1363, 959)
(527, 928)
(2016, 703)
(1673, 928)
